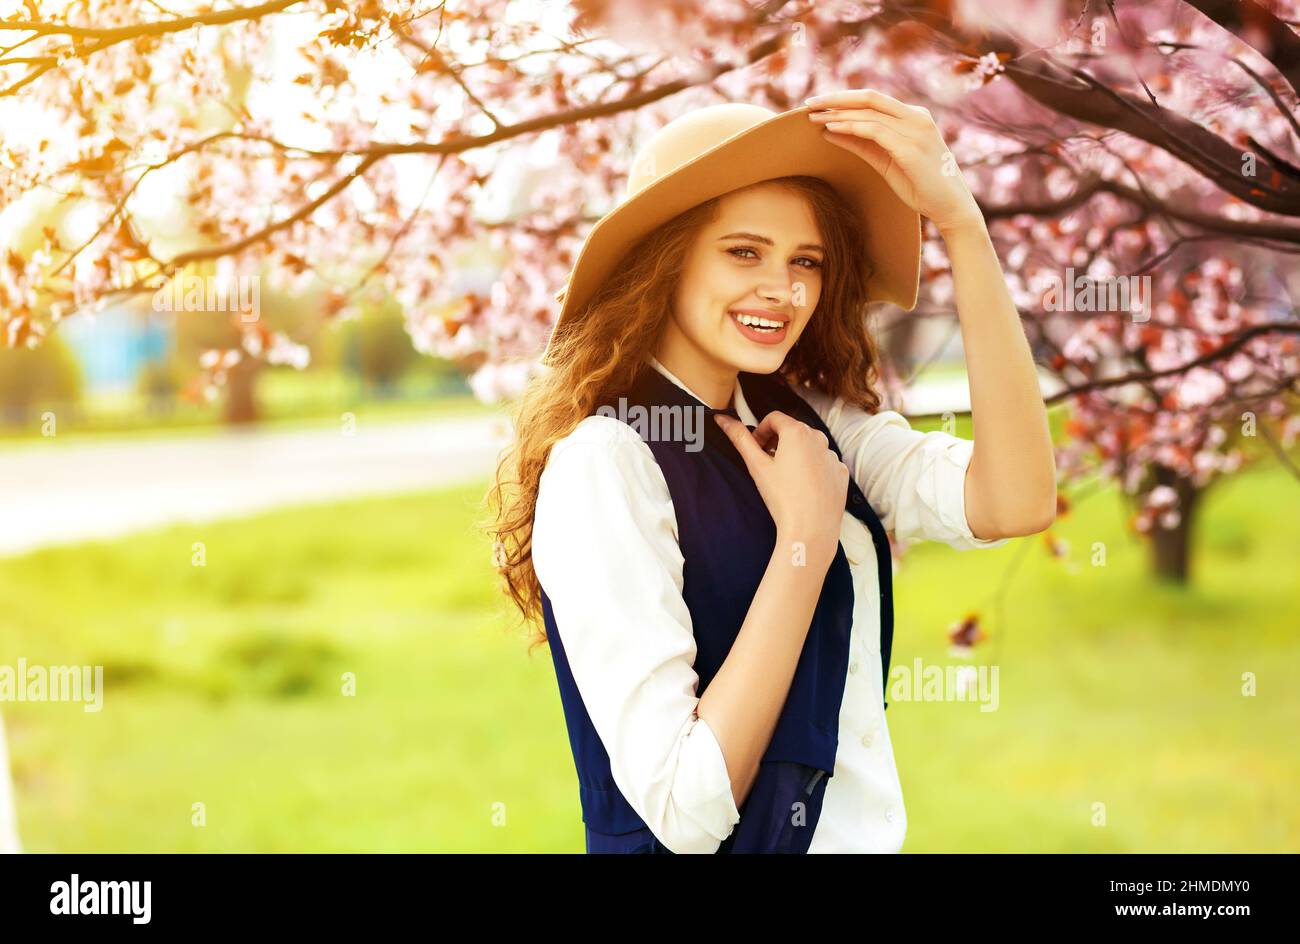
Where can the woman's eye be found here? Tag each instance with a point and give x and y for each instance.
(813, 263)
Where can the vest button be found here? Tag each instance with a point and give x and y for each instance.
(853, 667)
(857, 498)
(867, 739)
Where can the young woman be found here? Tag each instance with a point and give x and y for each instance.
(704, 480)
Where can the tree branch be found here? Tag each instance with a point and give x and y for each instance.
(1238, 340)
(1247, 19)
(1092, 184)
(1085, 98)
(117, 34)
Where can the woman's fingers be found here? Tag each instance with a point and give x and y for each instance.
(897, 125)
(883, 135)
(770, 427)
(856, 98)
(876, 155)
(746, 443)
(765, 437)
(757, 445)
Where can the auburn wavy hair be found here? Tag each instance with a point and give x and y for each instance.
(598, 354)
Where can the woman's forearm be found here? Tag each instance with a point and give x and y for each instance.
(744, 699)
(1011, 481)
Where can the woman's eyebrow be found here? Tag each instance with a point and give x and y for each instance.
(754, 237)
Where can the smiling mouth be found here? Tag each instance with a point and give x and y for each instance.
(755, 325)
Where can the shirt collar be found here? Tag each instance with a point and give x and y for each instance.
(738, 395)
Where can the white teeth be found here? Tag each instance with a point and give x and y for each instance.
(756, 322)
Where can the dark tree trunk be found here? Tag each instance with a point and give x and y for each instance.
(241, 392)
(1171, 548)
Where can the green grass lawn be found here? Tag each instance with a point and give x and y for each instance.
(223, 688)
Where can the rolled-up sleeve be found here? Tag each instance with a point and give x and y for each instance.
(605, 550)
(915, 481)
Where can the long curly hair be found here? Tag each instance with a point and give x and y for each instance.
(599, 352)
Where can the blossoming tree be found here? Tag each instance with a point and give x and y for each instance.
(1150, 146)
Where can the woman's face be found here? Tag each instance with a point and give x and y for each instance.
(762, 257)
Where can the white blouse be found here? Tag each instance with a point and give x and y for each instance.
(605, 550)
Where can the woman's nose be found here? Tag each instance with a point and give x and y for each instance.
(779, 287)
(784, 292)
(775, 292)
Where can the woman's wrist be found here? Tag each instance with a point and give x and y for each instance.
(800, 550)
(963, 227)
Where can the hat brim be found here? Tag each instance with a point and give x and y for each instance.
(787, 144)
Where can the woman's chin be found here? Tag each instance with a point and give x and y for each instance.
(763, 361)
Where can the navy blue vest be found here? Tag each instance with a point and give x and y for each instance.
(727, 537)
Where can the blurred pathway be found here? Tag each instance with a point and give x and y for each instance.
(54, 492)
(59, 493)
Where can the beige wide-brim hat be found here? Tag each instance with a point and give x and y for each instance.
(713, 150)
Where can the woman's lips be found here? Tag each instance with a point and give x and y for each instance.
(762, 337)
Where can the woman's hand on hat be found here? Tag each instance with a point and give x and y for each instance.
(803, 483)
(902, 144)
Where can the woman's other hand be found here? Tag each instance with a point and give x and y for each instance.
(802, 481)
